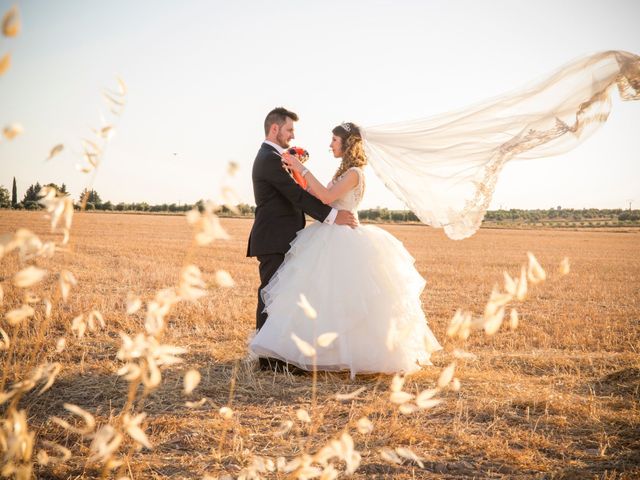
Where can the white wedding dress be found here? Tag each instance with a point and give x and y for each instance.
(363, 284)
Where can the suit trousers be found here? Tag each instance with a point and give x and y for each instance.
(269, 264)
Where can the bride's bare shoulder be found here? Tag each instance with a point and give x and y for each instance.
(358, 172)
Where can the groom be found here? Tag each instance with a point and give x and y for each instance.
(280, 206)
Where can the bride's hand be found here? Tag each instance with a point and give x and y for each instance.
(291, 162)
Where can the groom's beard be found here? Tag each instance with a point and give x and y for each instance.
(282, 142)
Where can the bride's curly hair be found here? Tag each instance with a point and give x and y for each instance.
(352, 149)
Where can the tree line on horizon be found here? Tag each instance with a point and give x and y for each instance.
(30, 201)
(31, 198)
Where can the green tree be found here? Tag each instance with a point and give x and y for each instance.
(159, 208)
(5, 201)
(244, 208)
(630, 215)
(14, 194)
(374, 214)
(91, 197)
(31, 194)
(398, 215)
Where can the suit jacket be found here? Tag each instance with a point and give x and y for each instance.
(280, 205)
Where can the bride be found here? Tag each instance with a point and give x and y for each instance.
(444, 168)
(361, 281)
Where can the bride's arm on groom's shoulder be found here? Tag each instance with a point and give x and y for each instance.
(315, 188)
(272, 173)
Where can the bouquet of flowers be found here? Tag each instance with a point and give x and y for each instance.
(302, 155)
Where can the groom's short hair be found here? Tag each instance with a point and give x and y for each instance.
(278, 116)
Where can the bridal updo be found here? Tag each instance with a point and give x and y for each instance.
(352, 149)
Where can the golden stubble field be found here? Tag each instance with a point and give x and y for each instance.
(556, 398)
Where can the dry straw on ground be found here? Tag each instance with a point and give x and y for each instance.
(558, 395)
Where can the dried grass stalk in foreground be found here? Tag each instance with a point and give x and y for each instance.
(11, 22)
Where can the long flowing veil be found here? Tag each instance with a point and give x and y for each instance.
(444, 168)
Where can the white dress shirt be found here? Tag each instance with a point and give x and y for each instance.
(331, 218)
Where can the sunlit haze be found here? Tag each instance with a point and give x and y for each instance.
(202, 75)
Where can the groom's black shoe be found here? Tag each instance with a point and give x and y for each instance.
(275, 365)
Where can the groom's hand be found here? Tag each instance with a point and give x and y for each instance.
(345, 217)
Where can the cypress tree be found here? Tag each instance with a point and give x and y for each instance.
(14, 194)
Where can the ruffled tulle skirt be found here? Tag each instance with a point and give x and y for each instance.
(364, 287)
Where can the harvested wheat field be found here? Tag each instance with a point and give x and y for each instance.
(556, 397)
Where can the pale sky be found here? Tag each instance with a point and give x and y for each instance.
(203, 74)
